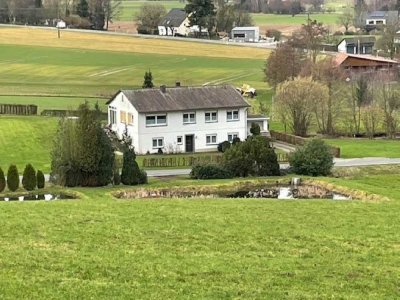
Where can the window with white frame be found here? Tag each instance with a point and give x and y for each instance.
(232, 115)
(113, 115)
(232, 136)
(211, 139)
(156, 120)
(158, 143)
(179, 140)
(189, 118)
(211, 116)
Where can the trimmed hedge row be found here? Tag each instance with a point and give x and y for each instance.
(30, 180)
(180, 161)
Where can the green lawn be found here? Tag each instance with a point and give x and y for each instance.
(130, 8)
(32, 70)
(103, 248)
(26, 140)
(272, 19)
(352, 148)
(69, 103)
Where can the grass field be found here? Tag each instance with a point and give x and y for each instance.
(270, 19)
(60, 70)
(26, 140)
(129, 8)
(103, 248)
(69, 103)
(351, 148)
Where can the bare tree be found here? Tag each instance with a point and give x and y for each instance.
(297, 99)
(149, 17)
(346, 19)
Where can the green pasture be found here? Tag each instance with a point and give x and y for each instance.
(129, 9)
(63, 103)
(353, 148)
(26, 140)
(272, 19)
(71, 72)
(103, 248)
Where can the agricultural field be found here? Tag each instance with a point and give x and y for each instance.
(100, 247)
(130, 8)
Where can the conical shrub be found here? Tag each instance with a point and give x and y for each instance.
(2, 180)
(29, 178)
(12, 178)
(40, 179)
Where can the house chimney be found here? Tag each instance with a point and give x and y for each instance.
(163, 88)
(177, 83)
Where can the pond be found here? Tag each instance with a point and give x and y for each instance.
(278, 190)
(38, 197)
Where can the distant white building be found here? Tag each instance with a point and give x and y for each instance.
(184, 119)
(176, 23)
(246, 34)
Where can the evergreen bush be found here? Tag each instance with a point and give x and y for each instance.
(29, 178)
(210, 171)
(2, 180)
(40, 179)
(131, 174)
(255, 129)
(12, 178)
(313, 159)
(222, 147)
(117, 177)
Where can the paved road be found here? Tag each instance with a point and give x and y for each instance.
(339, 162)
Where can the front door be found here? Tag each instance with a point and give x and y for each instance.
(189, 143)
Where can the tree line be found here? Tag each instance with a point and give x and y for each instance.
(95, 14)
(316, 94)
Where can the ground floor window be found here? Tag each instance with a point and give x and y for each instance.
(113, 115)
(211, 139)
(158, 143)
(179, 140)
(232, 136)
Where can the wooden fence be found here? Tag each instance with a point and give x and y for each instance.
(297, 140)
(18, 109)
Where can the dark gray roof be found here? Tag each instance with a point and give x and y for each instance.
(184, 98)
(174, 18)
(390, 16)
(362, 39)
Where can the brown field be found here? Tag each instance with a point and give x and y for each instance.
(99, 41)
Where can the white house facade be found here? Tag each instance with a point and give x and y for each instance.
(181, 119)
(176, 23)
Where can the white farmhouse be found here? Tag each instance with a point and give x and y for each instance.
(176, 23)
(181, 119)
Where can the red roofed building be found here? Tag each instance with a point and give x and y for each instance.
(354, 62)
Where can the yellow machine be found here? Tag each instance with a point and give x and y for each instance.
(247, 91)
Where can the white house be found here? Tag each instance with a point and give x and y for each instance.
(176, 23)
(181, 119)
(357, 45)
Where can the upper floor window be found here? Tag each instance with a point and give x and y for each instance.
(156, 120)
(232, 115)
(211, 116)
(189, 118)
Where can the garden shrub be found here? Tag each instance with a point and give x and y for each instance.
(29, 178)
(314, 159)
(116, 177)
(160, 151)
(2, 180)
(222, 147)
(209, 171)
(235, 140)
(255, 129)
(255, 156)
(131, 174)
(40, 179)
(12, 178)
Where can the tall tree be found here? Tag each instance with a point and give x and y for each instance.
(112, 10)
(202, 14)
(387, 40)
(283, 63)
(346, 19)
(82, 9)
(297, 98)
(148, 80)
(309, 37)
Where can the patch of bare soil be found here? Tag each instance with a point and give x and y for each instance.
(123, 26)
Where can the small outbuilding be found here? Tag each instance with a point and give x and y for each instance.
(246, 34)
(357, 45)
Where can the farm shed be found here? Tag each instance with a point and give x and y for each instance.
(246, 34)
